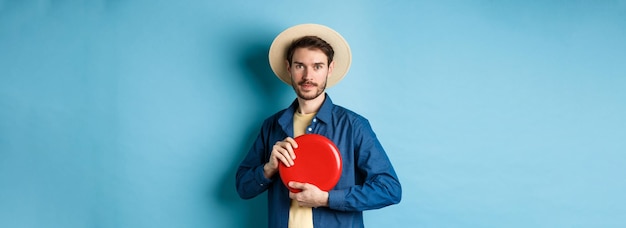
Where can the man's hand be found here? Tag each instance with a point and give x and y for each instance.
(310, 196)
(281, 152)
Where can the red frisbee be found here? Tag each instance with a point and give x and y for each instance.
(317, 162)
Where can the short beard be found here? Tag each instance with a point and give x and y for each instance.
(320, 90)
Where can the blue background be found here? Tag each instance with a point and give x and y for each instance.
(136, 113)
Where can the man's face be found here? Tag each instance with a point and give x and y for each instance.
(309, 71)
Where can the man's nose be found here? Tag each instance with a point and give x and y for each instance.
(305, 73)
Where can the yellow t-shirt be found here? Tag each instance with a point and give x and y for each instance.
(300, 217)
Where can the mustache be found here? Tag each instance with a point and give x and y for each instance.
(306, 82)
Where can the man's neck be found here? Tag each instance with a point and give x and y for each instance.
(310, 106)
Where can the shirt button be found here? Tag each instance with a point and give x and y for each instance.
(314, 120)
(310, 129)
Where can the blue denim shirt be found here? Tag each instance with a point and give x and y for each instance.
(368, 180)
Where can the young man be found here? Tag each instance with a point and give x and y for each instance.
(311, 57)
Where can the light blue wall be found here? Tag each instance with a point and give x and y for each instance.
(136, 113)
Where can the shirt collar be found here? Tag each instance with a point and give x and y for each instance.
(324, 114)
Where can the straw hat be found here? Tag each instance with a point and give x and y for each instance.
(278, 50)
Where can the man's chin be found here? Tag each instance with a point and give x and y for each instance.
(308, 96)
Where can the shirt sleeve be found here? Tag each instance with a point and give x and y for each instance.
(380, 187)
(250, 179)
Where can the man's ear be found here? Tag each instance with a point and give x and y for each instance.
(331, 66)
(287, 67)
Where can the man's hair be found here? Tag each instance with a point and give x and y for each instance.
(310, 42)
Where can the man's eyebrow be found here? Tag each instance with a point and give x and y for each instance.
(301, 63)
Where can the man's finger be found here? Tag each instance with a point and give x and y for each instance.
(291, 145)
(284, 160)
(290, 152)
(291, 141)
(283, 155)
(297, 185)
(286, 154)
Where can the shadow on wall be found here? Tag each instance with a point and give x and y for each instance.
(267, 90)
(252, 212)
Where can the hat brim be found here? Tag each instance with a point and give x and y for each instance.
(278, 51)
